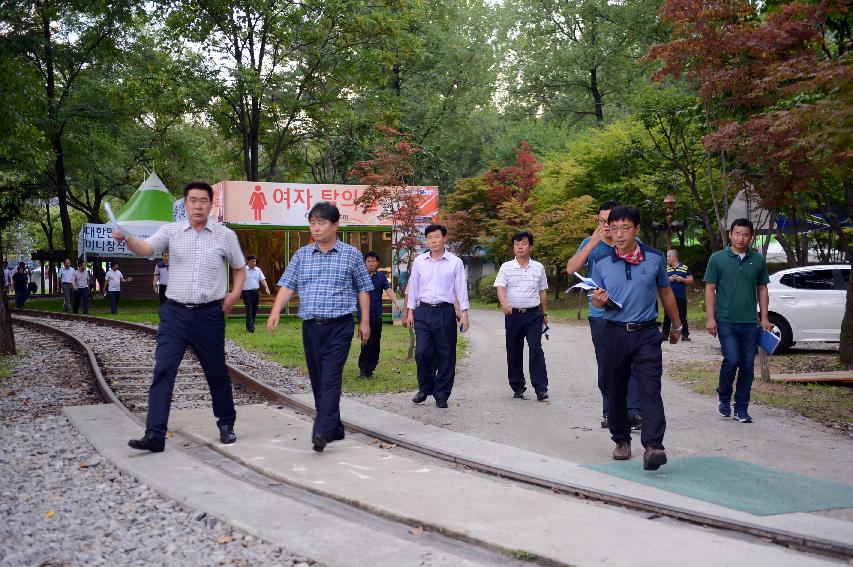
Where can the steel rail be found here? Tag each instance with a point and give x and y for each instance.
(782, 537)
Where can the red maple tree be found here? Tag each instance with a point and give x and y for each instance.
(784, 85)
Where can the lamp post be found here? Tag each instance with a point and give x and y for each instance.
(669, 207)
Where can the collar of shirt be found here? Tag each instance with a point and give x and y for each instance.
(336, 248)
(428, 255)
(185, 225)
(734, 254)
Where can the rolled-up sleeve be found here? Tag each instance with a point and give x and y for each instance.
(412, 286)
(461, 286)
(159, 241)
(361, 279)
(235, 253)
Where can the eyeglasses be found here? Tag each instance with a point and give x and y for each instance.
(622, 228)
(602, 221)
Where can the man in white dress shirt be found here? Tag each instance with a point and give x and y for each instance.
(522, 288)
(194, 313)
(436, 283)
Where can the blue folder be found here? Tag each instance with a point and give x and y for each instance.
(767, 340)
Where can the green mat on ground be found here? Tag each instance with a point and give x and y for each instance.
(735, 484)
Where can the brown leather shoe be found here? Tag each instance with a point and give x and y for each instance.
(622, 452)
(653, 458)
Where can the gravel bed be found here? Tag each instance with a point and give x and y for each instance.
(61, 504)
(122, 349)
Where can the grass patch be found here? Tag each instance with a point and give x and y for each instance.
(5, 367)
(829, 404)
(395, 373)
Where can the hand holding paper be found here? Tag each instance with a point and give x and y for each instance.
(119, 233)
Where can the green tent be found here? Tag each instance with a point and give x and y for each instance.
(151, 202)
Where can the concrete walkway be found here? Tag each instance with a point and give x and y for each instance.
(567, 426)
(494, 513)
(296, 526)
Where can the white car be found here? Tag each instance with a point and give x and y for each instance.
(807, 303)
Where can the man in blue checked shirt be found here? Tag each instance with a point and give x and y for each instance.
(325, 274)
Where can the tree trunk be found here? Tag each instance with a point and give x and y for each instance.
(596, 96)
(7, 335)
(765, 368)
(55, 135)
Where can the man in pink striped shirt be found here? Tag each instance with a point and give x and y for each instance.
(436, 283)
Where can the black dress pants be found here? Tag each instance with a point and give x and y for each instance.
(638, 351)
(251, 299)
(369, 357)
(435, 349)
(520, 327)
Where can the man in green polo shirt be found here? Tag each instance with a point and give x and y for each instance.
(735, 277)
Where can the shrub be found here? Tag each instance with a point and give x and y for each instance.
(486, 288)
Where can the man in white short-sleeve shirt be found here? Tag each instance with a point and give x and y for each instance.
(522, 291)
(251, 290)
(113, 280)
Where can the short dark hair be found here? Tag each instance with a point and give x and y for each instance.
(434, 227)
(198, 185)
(81, 263)
(519, 236)
(624, 212)
(113, 264)
(324, 210)
(743, 222)
(608, 205)
(371, 254)
(22, 265)
(251, 257)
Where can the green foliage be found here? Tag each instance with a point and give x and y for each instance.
(576, 61)
(485, 287)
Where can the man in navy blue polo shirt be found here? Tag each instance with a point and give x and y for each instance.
(369, 357)
(325, 274)
(630, 280)
(598, 245)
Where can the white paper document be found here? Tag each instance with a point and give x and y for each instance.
(589, 285)
(586, 284)
(113, 221)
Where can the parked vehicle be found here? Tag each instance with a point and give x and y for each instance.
(807, 303)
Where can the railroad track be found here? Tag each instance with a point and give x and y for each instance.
(110, 374)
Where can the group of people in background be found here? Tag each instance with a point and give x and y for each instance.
(334, 281)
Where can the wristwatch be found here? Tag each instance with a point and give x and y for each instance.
(677, 329)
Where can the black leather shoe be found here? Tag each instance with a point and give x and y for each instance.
(441, 404)
(319, 442)
(420, 398)
(148, 443)
(226, 434)
(541, 396)
(519, 394)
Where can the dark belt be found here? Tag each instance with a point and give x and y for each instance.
(321, 321)
(195, 305)
(435, 305)
(526, 309)
(633, 326)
